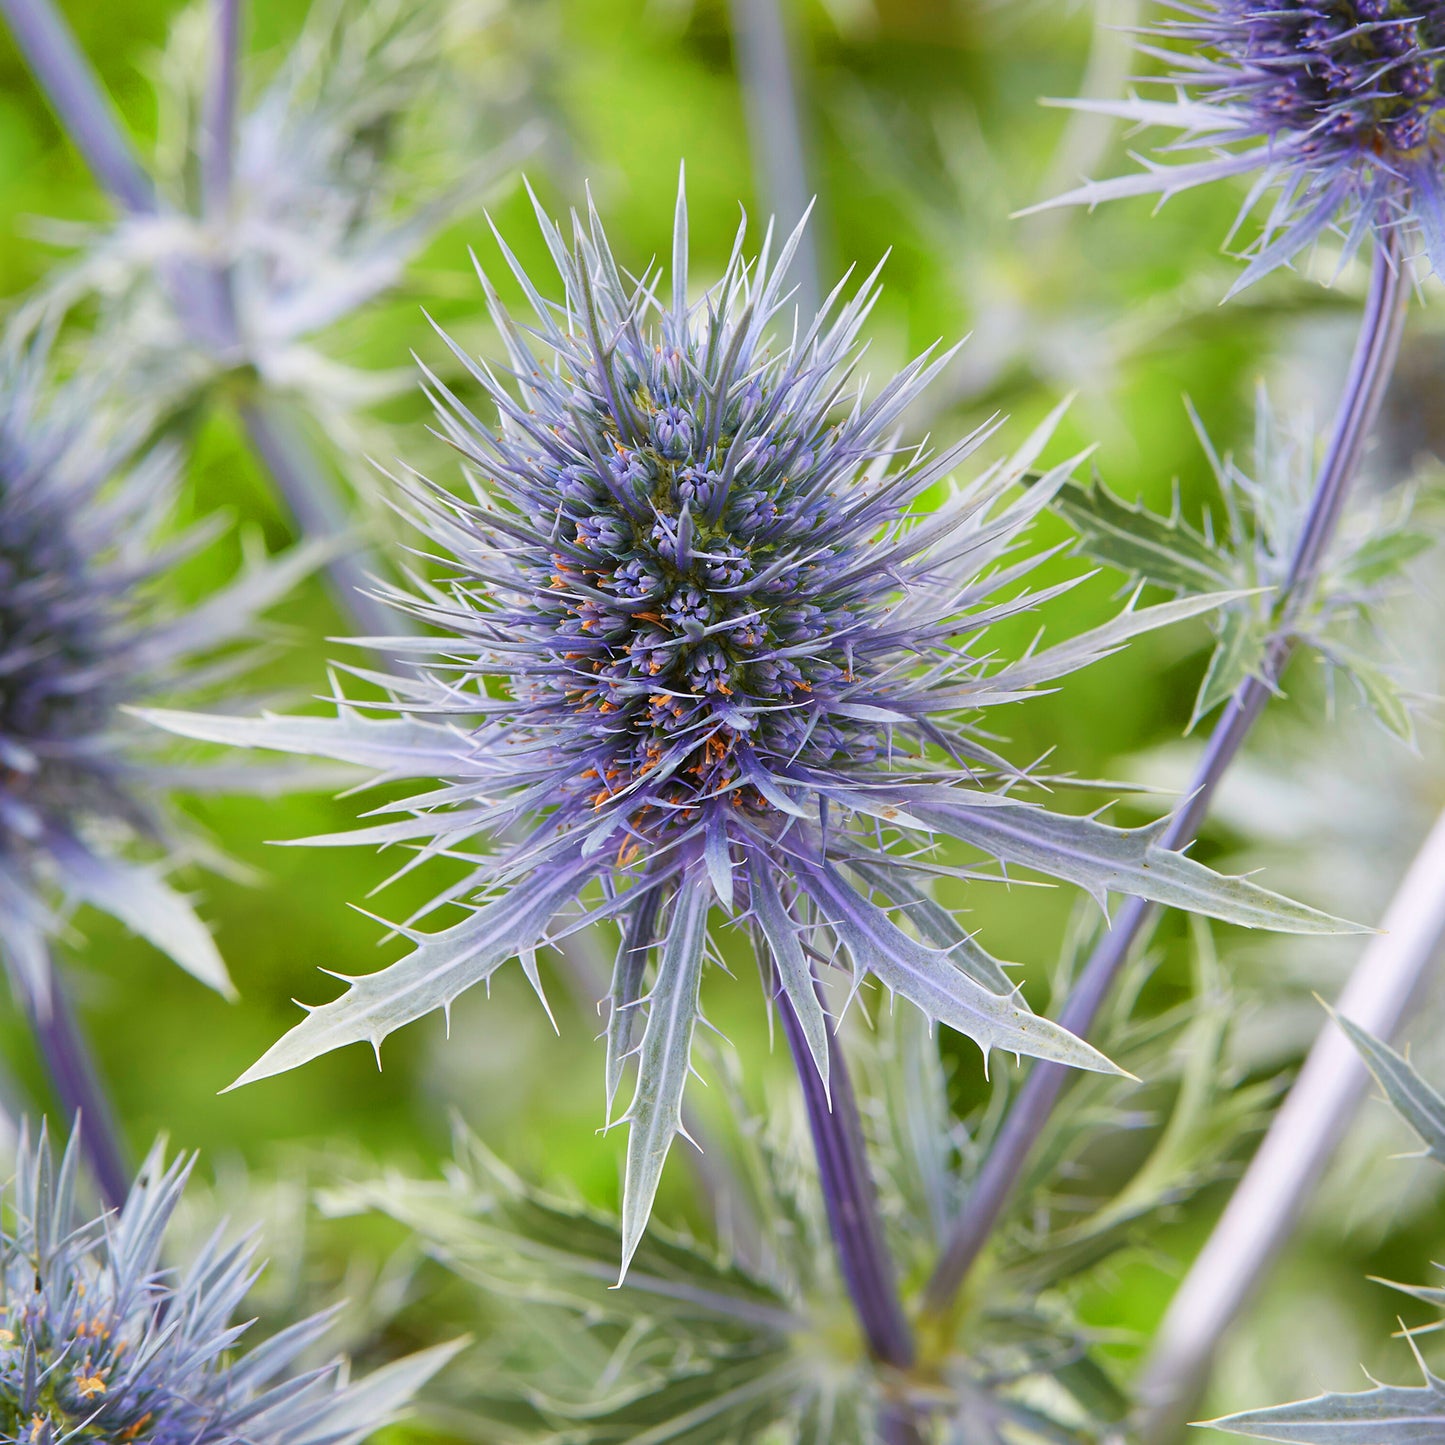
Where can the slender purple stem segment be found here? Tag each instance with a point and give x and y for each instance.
(66, 77)
(776, 129)
(80, 1093)
(219, 131)
(1373, 362)
(852, 1206)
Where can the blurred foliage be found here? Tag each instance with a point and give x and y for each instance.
(926, 135)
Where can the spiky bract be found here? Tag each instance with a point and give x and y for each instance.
(100, 1342)
(719, 658)
(1337, 104)
(83, 632)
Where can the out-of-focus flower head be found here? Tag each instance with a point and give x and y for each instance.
(85, 631)
(721, 658)
(1335, 106)
(365, 141)
(99, 1341)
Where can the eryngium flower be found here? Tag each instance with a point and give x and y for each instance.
(83, 632)
(100, 1342)
(1337, 104)
(719, 659)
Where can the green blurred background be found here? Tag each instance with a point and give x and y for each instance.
(925, 133)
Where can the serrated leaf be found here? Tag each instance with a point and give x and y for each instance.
(1163, 550)
(936, 925)
(442, 966)
(1108, 638)
(1103, 859)
(1236, 656)
(1386, 1415)
(655, 1115)
(626, 992)
(1417, 1102)
(1381, 693)
(928, 979)
(365, 1405)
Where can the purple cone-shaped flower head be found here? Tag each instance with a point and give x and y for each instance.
(100, 1342)
(82, 634)
(702, 651)
(1335, 104)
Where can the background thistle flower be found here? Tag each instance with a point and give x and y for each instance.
(83, 633)
(100, 1341)
(718, 661)
(1336, 105)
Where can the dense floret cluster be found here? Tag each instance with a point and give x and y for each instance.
(1336, 103)
(701, 647)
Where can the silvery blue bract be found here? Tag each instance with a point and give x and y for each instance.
(720, 661)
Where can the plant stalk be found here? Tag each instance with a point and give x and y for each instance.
(80, 1092)
(768, 77)
(1304, 1133)
(852, 1207)
(66, 78)
(1371, 365)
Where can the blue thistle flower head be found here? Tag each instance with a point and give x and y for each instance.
(84, 633)
(1337, 104)
(703, 649)
(100, 1341)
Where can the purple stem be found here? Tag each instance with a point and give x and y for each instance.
(1376, 347)
(774, 112)
(82, 1096)
(852, 1205)
(219, 127)
(317, 507)
(52, 54)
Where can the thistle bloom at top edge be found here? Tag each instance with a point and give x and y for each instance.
(701, 648)
(1337, 107)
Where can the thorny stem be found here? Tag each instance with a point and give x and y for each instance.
(80, 1093)
(1310, 1123)
(773, 108)
(852, 1206)
(202, 300)
(1370, 367)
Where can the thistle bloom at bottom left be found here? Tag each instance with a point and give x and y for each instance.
(99, 1342)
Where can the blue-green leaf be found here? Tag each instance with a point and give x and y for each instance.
(1386, 1415)
(1418, 1103)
